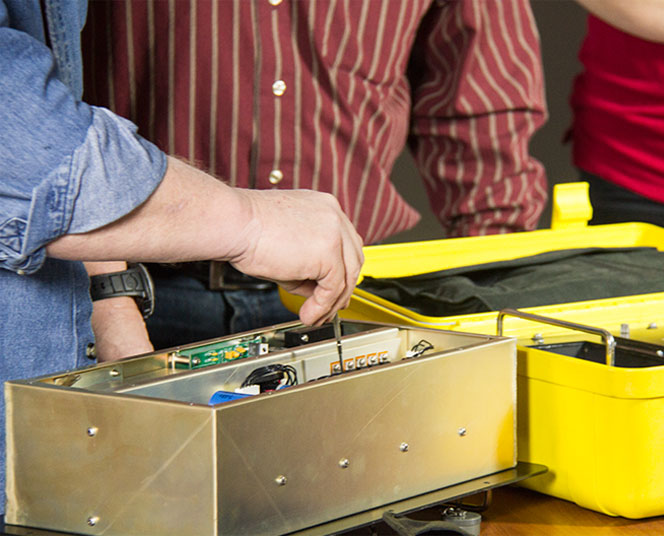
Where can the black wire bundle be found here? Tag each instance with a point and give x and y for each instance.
(420, 348)
(269, 377)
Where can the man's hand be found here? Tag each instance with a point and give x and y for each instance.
(298, 238)
(302, 240)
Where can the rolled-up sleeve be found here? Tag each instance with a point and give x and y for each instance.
(65, 166)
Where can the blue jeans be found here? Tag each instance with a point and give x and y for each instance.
(187, 311)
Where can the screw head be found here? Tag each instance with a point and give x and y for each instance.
(93, 520)
(462, 431)
(92, 431)
(281, 480)
(403, 447)
(114, 373)
(344, 462)
(304, 337)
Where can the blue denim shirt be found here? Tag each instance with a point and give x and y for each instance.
(65, 167)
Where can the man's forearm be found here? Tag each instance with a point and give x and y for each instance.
(299, 238)
(190, 216)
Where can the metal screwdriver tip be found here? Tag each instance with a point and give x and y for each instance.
(336, 323)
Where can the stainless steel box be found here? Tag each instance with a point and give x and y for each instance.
(134, 448)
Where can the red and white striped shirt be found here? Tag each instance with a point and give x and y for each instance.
(325, 94)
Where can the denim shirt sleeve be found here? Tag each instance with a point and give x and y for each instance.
(66, 167)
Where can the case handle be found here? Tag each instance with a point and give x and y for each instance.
(609, 341)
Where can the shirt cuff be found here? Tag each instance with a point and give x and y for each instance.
(111, 173)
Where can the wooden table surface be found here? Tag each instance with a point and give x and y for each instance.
(518, 511)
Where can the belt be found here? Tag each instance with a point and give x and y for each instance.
(216, 275)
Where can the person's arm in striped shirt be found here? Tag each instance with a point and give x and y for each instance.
(478, 98)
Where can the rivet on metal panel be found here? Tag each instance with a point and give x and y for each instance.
(652, 325)
(344, 462)
(281, 480)
(403, 447)
(462, 431)
(92, 431)
(538, 338)
(93, 520)
(114, 373)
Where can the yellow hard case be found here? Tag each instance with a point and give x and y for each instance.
(599, 429)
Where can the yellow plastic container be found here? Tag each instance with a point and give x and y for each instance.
(598, 428)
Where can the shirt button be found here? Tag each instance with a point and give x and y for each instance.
(276, 176)
(91, 351)
(275, 2)
(279, 88)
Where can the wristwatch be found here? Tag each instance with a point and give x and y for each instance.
(135, 281)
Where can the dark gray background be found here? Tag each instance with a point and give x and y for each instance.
(561, 24)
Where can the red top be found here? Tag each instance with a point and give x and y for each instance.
(303, 94)
(618, 104)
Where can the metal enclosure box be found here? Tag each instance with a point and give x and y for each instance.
(133, 447)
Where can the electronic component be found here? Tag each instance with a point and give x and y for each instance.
(419, 349)
(220, 352)
(225, 396)
(272, 377)
(308, 335)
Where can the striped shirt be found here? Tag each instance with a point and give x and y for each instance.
(325, 95)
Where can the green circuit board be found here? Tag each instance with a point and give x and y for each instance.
(221, 352)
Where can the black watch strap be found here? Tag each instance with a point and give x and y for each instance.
(135, 282)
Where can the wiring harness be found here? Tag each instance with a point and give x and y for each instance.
(272, 377)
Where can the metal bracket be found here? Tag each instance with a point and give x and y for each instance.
(412, 527)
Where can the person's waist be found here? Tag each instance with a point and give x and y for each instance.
(216, 275)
